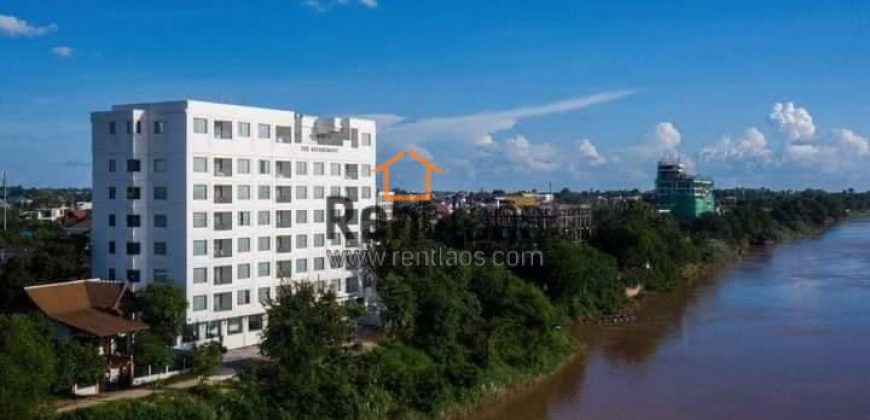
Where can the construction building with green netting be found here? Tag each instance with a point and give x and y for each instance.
(681, 194)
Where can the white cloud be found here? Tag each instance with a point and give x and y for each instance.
(528, 157)
(752, 146)
(852, 142)
(474, 128)
(62, 51)
(324, 5)
(665, 136)
(590, 153)
(13, 27)
(794, 123)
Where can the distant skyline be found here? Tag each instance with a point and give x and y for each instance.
(576, 94)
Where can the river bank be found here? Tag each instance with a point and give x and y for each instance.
(648, 306)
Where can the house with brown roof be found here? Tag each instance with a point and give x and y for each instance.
(93, 311)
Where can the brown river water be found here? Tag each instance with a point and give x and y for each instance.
(783, 334)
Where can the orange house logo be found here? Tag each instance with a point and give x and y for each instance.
(384, 170)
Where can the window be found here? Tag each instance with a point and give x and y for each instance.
(159, 165)
(284, 244)
(200, 164)
(234, 326)
(366, 193)
(264, 192)
(223, 220)
(112, 247)
(244, 218)
(319, 240)
(111, 220)
(366, 139)
(129, 127)
(223, 167)
(318, 192)
(319, 216)
(112, 127)
(264, 243)
(244, 245)
(352, 285)
(283, 194)
(200, 275)
(352, 193)
(112, 274)
(200, 125)
(264, 295)
(223, 275)
(112, 193)
(134, 165)
(200, 192)
(223, 130)
(244, 129)
(223, 194)
(319, 264)
(350, 171)
(335, 169)
(223, 248)
(301, 241)
(366, 170)
(283, 218)
(354, 138)
(283, 169)
(244, 166)
(284, 134)
(200, 247)
(302, 265)
(335, 191)
(133, 248)
(243, 297)
(160, 275)
(112, 167)
(301, 216)
(264, 131)
(159, 127)
(200, 303)
(134, 220)
(284, 269)
(223, 302)
(139, 127)
(160, 220)
(160, 193)
(264, 269)
(159, 248)
(301, 168)
(243, 192)
(265, 167)
(301, 192)
(318, 168)
(263, 217)
(243, 271)
(255, 322)
(200, 219)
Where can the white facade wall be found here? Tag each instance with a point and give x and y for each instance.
(168, 156)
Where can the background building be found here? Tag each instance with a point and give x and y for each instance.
(227, 201)
(683, 195)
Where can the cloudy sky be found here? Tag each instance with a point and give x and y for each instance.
(523, 95)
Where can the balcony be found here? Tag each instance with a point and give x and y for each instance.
(283, 194)
(351, 172)
(223, 221)
(223, 167)
(223, 248)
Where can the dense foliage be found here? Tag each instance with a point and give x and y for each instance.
(453, 334)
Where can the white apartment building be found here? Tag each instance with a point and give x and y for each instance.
(227, 201)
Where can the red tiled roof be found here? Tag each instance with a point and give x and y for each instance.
(86, 305)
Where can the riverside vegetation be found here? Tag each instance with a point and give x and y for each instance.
(453, 337)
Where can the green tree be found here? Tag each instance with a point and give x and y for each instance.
(163, 308)
(205, 360)
(26, 366)
(77, 364)
(151, 349)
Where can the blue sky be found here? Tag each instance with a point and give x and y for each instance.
(511, 94)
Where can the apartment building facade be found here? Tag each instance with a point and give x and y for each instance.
(229, 202)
